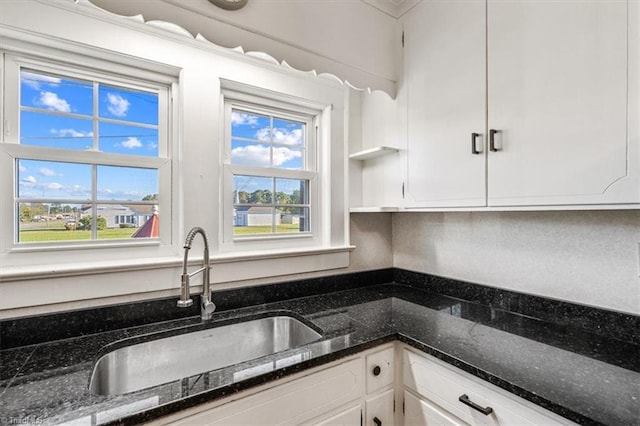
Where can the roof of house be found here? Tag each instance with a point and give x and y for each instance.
(150, 229)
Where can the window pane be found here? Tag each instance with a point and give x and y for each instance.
(291, 191)
(125, 221)
(130, 140)
(250, 154)
(253, 220)
(292, 220)
(287, 132)
(248, 125)
(129, 105)
(126, 183)
(53, 93)
(252, 190)
(55, 131)
(51, 179)
(46, 222)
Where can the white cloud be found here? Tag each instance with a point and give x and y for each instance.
(36, 81)
(257, 155)
(53, 186)
(46, 172)
(281, 136)
(71, 133)
(131, 143)
(22, 168)
(51, 101)
(239, 118)
(118, 105)
(30, 180)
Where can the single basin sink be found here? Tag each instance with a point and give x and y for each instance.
(166, 359)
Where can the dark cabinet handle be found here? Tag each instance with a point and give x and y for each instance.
(474, 136)
(465, 400)
(376, 370)
(492, 140)
(377, 421)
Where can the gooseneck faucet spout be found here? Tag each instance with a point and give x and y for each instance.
(207, 306)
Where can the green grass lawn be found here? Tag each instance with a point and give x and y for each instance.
(253, 230)
(61, 234)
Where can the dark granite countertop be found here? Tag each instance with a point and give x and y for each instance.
(586, 377)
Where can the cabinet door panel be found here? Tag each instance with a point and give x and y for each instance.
(557, 94)
(445, 88)
(291, 403)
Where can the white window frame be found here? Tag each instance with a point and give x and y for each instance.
(106, 68)
(288, 107)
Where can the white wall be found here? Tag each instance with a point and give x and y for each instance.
(585, 257)
(88, 282)
(348, 38)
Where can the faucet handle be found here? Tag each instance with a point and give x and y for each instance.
(207, 309)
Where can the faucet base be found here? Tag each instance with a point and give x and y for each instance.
(185, 303)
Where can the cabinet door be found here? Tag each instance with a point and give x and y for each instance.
(444, 59)
(563, 103)
(379, 410)
(291, 403)
(418, 412)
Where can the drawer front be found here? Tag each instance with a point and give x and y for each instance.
(379, 370)
(379, 410)
(444, 385)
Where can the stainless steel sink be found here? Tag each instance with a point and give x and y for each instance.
(164, 360)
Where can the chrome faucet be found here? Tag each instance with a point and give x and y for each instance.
(207, 307)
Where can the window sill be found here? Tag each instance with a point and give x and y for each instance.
(230, 267)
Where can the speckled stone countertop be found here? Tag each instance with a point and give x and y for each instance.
(586, 377)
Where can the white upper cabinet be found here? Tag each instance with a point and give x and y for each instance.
(557, 95)
(445, 81)
(555, 85)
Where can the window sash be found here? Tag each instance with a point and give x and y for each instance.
(277, 110)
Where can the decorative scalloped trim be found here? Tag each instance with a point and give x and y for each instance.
(180, 30)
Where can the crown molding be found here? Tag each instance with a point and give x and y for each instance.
(393, 8)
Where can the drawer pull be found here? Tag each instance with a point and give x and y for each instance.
(377, 421)
(465, 400)
(376, 370)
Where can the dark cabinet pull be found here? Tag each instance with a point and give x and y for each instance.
(377, 421)
(492, 140)
(474, 136)
(376, 370)
(465, 400)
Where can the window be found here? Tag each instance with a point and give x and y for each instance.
(271, 186)
(90, 157)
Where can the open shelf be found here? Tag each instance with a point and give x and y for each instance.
(372, 153)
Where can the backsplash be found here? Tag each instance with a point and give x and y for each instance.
(38, 329)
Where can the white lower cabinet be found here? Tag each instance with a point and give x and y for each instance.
(419, 412)
(361, 391)
(439, 394)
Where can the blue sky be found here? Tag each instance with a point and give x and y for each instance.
(58, 113)
(264, 141)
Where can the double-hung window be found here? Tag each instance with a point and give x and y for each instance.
(87, 156)
(271, 173)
